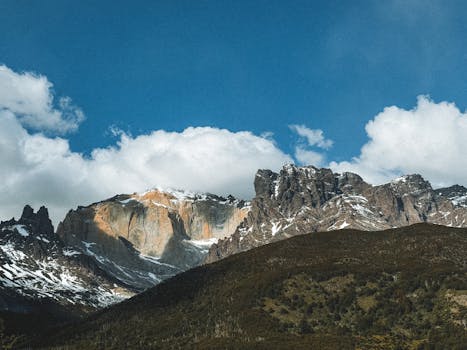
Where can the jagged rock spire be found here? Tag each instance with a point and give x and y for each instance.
(39, 222)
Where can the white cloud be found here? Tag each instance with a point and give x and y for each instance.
(310, 138)
(314, 137)
(200, 159)
(308, 157)
(39, 169)
(29, 97)
(430, 139)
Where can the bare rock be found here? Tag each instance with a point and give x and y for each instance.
(144, 238)
(300, 200)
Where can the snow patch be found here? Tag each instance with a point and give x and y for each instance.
(459, 201)
(276, 226)
(399, 179)
(344, 225)
(155, 260)
(70, 252)
(126, 201)
(50, 278)
(43, 239)
(21, 230)
(203, 242)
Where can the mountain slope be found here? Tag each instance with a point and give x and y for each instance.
(346, 289)
(35, 264)
(308, 199)
(105, 252)
(43, 282)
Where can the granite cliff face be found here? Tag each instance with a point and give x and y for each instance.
(300, 200)
(141, 239)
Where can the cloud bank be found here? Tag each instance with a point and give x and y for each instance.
(37, 168)
(430, 139)
(40, 168)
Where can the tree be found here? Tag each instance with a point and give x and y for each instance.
(6, 341)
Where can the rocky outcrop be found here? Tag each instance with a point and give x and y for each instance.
(456, 194)
(300, 200)
(36, 267)
(39, 222)
(144, 238)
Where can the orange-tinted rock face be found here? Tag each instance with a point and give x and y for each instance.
(204, 217)
(166, 225)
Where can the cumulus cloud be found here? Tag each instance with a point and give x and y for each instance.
(314, 137)
(310, 138)
(200, 159)
(39, 169)
(308, 157)
(430, 139)
(29, 97)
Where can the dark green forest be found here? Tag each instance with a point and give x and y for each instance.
(404, 288)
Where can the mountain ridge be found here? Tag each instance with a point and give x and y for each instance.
(309, 199)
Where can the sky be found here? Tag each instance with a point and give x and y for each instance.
(99, 98)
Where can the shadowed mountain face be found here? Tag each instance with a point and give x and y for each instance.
(36, 265)
(44, 282)
(141, 239)
(399, 288)
(457, 194)
(307, 199)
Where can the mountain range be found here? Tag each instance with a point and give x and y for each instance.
(106, 252)
(307, 199)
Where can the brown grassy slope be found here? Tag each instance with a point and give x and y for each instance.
(400, 288)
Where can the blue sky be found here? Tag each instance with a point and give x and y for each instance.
(256, 66)
(240, 65)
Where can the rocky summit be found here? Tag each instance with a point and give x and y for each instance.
(143, 238)
(300, 200)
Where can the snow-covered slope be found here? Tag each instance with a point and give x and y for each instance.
(35, 263)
